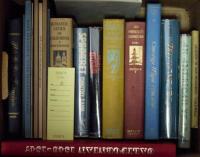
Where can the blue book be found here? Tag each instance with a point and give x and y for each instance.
(27, 68)
(81, 60)
(152, 71)
(169, 82)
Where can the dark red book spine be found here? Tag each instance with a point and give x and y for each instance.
(134, 80)
(87, 148)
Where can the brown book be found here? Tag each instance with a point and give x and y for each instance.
(35, 72)
(4, 75)
(134, 80)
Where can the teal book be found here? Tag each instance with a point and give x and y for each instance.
(170, 37)
(185, 92)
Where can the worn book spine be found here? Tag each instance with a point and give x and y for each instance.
(113, 78)
(169, 81)
(134, 80)
(89, 148)
(61, 42)
(81, 63)
(152, 85)
(27, 63)
(185, 92)
(95, 81)
(15, 78)
(195, 79)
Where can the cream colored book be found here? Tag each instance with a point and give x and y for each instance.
(60, 107)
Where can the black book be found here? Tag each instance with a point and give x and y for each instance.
(15, 77)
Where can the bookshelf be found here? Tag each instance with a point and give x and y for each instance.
(191, 9)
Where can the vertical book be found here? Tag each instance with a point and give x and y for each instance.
(81, 62)
(95, 81)
(113, 78)
(169, 78)
(185, 92)
(134, 79)
(152, 71)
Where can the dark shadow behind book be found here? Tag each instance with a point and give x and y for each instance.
(15, 77)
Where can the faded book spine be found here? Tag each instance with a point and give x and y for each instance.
(152, 85)
(61, 42)
(113, 78)
(95, 81)
(134, 80)
(169, 81)
(195, 79)
(15, 78)
(81, 60)
(185, 92)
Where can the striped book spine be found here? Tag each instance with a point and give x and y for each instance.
(185, 92)
(26, 100)
(152, 71)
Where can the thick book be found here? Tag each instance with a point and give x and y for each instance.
(27, 69)
(169, 81)
(61, 42)
(81, 63)
(152, 85)
(185, 92)
(113, 78)
(88, 148)
(15, 77)
(60, 103)
(195, 79)
(134, 80)
(95, 81)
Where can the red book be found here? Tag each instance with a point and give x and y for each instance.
(87, 148)
(134, 80)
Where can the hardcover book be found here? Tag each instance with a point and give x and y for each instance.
(87, 148)
(4, 76)
(60, 107)
(169, 81)
(113, 78)
(61, 42)
(185, 92)
(27, 68)
(95, 81)
(81, 62)
(15, 77)
(195, 79)
(152, 88)
(134, 80)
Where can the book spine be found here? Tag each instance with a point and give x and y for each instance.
(87, 148)
(95, 81)
(185, 92)
(195, 78)
(169, 79)
(27, 71)
(152, 71)
(113, 78)
(61, 42)
(81, 61)
(134, 80)
(15, 78)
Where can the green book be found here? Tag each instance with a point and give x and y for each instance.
(185, 92)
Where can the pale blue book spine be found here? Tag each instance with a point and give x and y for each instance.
(27, 108)
(185, 92)
(170, 51)
(152, 71)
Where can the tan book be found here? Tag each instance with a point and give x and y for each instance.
(195, 78)
(44, 67)
(61, 42)
(4, 75)
(40, 107)
(113, 78)
(35, 71)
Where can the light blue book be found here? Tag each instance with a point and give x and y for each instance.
(152, 71)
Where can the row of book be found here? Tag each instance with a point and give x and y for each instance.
(143, 86)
